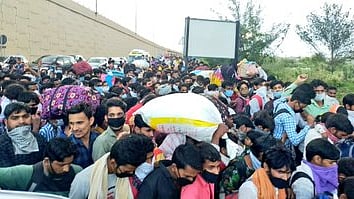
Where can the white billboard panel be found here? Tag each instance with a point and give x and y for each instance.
(208, 38)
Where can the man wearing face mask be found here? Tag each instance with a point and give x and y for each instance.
(337, 127)
(277, 88)
(115, 117)
(242, 125)
(318, 174)
(242, 167)
(203, 186)
(31, 99)
(348, 103)
(259, 98)
(319, 104)
(107, 177)
(153, 155)
(243, 97)
(228, 91)
(52, 175)
(19, 145)
(271, 180)
(285, 122)
(167, 180)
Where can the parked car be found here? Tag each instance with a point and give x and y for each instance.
(34, 64)
(27, 195)
(53, 61)
(23, 58)
(97, 62)
(11, 60)
(2, 59)
(78, 58)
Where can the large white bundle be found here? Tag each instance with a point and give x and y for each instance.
(186, 113)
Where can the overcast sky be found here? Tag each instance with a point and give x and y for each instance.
(162, 21)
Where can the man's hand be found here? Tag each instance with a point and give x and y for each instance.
(36, 122)
(122, 134)
(302, 78)
(26, 67)
(310, 120)
(220, 131)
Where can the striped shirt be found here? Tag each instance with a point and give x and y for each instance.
(286, 123)
(50, 131)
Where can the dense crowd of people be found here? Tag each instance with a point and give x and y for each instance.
(79, 134)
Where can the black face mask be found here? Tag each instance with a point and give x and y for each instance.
(183, 181)
(116, 122)
(299, 111)
(279, 183)
(54, 175)
(33, 110)
(124, 175)
(210, 177)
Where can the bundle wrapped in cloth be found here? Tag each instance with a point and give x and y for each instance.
(188, 114)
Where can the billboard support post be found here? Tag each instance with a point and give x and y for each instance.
(186, 40)
(237, 43)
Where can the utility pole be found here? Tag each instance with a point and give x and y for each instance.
(96, 8)
(136, 16)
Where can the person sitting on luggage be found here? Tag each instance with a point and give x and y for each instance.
(318, 174)
(52, 175)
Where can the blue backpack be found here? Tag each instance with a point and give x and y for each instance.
(346, 148)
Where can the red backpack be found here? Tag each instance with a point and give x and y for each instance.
(260, 103)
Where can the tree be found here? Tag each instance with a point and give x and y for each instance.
(254, 44)
(332, 29)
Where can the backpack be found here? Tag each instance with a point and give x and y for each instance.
(300, 174)
(228, 73)
(57, 101)
(260, 103)
(278, 112)
(269, 107)
(346, 148)
(236, 173)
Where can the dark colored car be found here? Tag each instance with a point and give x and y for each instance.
(55, 61)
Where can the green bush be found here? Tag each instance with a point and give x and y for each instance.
(316, 67)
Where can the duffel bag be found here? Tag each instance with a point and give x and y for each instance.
(184, 113)
(57, 101)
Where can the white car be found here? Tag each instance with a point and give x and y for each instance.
(97, 62)
(11, 59)
(27, 195)
(23, 58)
(118, 59)
(141, 63)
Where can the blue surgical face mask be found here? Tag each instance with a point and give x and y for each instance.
(99, 89)
(320, 96)
(229, 93)
(105, 88)
(133, 80)
(133, 94)
(143, 170)
(60, 122)
(277, 94)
